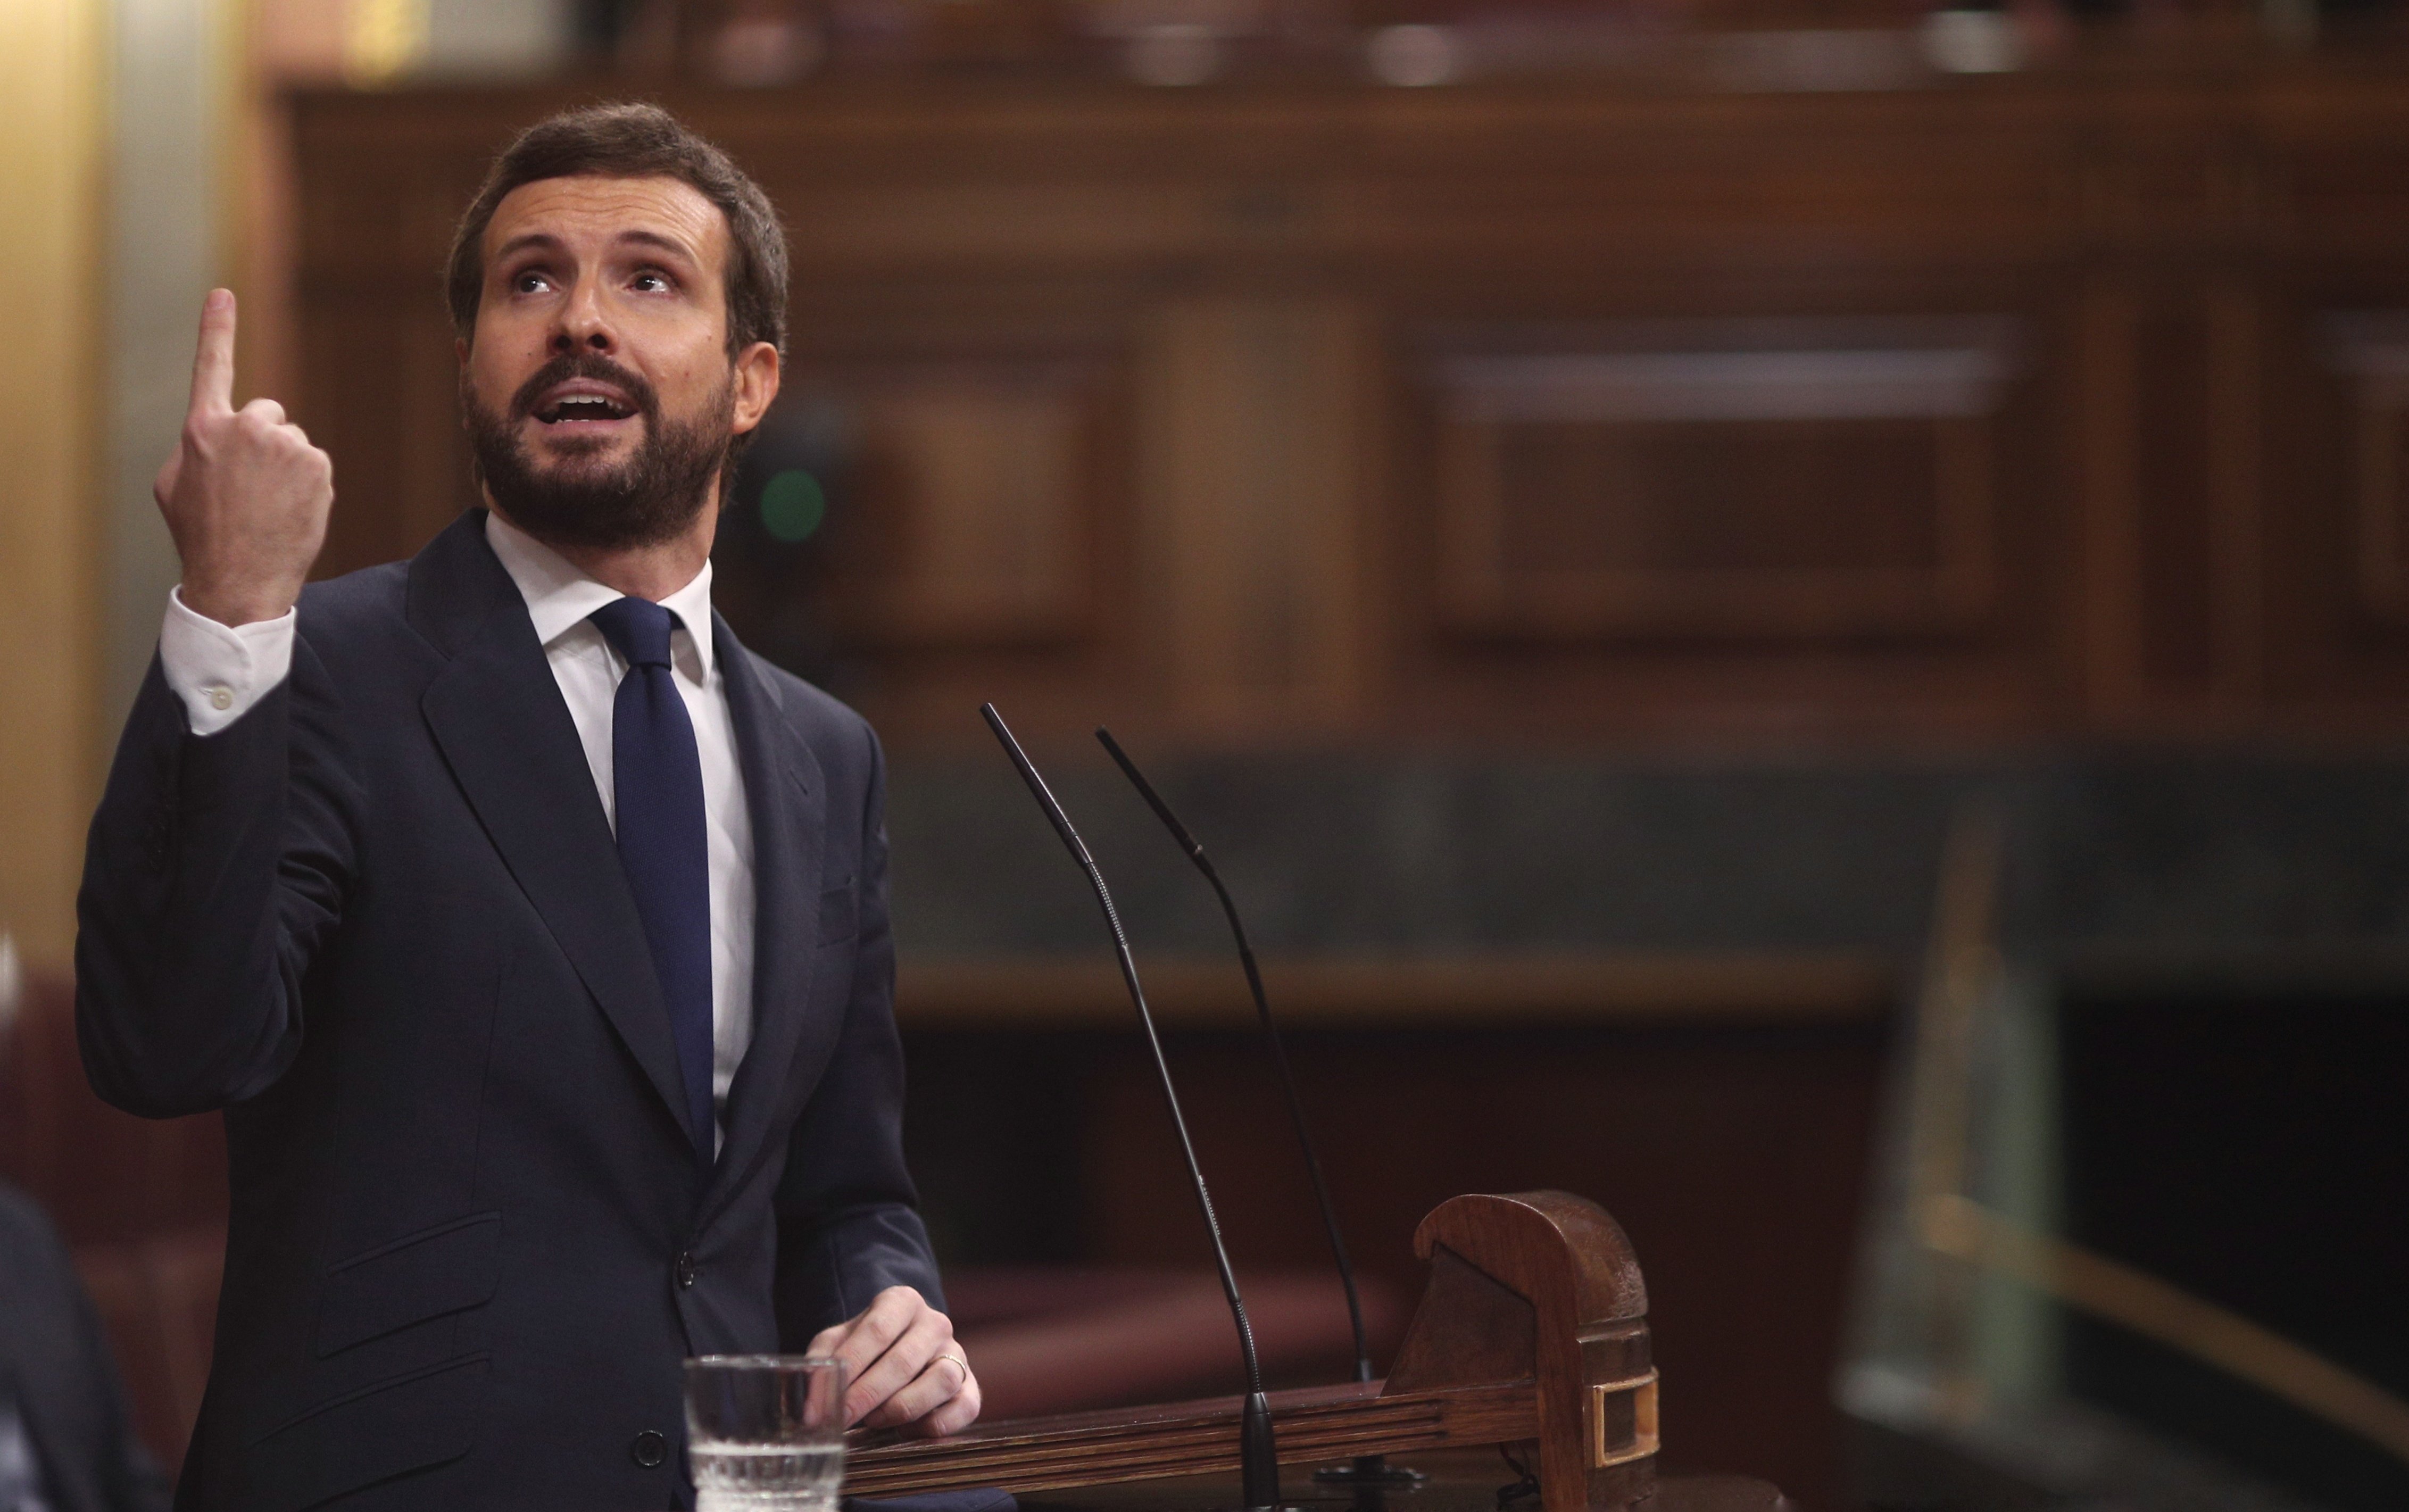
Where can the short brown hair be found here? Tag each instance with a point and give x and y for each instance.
(636, 141)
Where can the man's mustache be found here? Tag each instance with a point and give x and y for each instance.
(590, 365)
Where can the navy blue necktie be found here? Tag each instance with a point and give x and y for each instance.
(657, 781)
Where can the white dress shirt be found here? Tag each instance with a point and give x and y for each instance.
(220, 673)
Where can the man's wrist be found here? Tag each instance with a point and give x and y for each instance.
(235, 608)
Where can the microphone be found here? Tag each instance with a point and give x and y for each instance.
(1258, 1455)
(1271, 1037)
(1374, 1468)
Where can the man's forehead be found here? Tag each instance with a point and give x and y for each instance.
(594, 208)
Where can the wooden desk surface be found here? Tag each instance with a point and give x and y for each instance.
(1460, 1481)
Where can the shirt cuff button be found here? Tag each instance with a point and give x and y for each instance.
(221, 697)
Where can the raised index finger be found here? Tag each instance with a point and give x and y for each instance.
(213, 359)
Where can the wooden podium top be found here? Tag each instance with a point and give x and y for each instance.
(1460, 1481)
(1530, 1346)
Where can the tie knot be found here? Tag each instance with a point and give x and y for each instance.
(637, 629)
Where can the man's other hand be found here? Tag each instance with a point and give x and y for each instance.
(246, 496)
(904, 1367)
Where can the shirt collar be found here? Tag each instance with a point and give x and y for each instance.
(559, 597)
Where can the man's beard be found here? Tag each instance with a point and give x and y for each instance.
(652, 496)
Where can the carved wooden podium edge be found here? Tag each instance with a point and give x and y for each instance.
(1532, 1332)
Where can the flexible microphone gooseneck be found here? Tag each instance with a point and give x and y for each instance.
(1367, 1470)
(1258, 1456)
(1271, 1037)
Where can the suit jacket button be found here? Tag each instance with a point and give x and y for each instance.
(650, 1449)
(685, 1271)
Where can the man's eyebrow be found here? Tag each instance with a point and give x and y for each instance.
(526, 239)
(656, 239)
(549, 242)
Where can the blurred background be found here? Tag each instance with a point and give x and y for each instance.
(1791, 614)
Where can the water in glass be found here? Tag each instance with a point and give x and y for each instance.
(765, 1432)
(766, 1477)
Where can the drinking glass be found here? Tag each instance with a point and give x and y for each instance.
(766, 1433)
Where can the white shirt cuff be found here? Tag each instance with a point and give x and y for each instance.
(220, 673)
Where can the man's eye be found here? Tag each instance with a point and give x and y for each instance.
(651, 280)
(529, 282)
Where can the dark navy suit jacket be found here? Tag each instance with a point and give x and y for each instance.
(381, 921)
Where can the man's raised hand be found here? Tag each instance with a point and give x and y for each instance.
(246, 496)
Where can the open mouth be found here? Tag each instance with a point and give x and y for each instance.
(583, 409)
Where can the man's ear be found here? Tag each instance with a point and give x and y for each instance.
(757, 386)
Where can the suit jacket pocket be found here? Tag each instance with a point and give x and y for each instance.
(425, 1418)
(445, 1269)
(838, 920)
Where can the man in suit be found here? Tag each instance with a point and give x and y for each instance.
(529, 931)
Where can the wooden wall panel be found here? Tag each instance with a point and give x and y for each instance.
(2171, 503)
(382, 398)
(1856, 539)
(2177, 640)
(1251, 492)
(1175, 410)
(976, 487)
(2380, 460)
(2369, 351)
(2337, 643)
(2343, 198)
(1805, 492)
(982, 528)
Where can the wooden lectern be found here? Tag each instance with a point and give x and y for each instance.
(1531, 1335)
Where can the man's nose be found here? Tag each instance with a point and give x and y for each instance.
(582, 323)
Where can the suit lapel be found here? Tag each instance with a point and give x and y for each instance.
(498, 715)
(787, 796)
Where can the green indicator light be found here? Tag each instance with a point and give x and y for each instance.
(793, 505)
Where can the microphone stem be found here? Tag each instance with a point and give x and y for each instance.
(1179, 1125)
(1196, 851)
(1296, 1114)
(1258, 1454)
